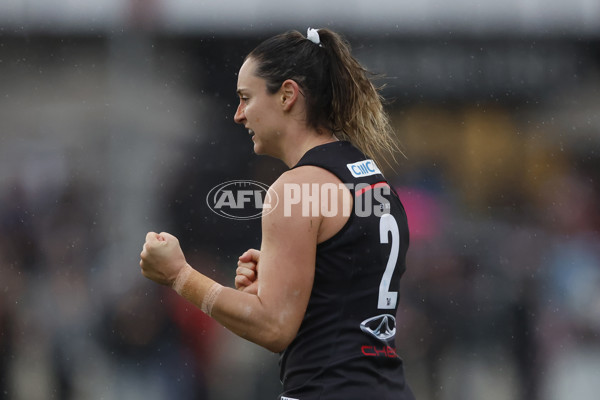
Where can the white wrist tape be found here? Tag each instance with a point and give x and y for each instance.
(211, 296)
(208, 301)
(182, 278)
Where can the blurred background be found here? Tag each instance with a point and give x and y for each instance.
(116, 119)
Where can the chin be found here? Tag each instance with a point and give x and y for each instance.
(262, 151)
(257, 149)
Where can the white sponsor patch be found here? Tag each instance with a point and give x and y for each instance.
(363, 168)
(288, 398)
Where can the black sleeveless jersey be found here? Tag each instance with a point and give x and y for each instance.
(345, 347)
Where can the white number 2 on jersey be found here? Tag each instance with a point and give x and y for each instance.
(388, 224)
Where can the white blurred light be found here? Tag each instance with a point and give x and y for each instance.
(471, 16)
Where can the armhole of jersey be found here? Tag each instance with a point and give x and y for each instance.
(338, 233)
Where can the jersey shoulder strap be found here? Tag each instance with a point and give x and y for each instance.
(345, 161)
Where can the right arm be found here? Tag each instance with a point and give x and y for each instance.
(272, 315)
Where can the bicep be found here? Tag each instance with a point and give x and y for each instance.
(287, 267)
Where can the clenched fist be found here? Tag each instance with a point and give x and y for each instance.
(247, 272)
(162, 258)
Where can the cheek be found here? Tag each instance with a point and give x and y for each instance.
(247, 111)
(251, 115)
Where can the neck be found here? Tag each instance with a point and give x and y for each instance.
(297, 148)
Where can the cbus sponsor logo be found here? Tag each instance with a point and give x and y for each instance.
(375, 351)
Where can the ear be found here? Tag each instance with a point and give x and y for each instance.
(288, 94)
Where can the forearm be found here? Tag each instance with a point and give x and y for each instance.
(242, 313)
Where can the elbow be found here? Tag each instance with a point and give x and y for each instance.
(277, 346)
(274, 347)
(277, 339)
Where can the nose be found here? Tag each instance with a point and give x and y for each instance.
(239, 116)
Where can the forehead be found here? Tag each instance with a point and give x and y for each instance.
(246, 76)
(248, 67)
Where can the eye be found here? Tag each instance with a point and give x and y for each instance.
(243, 96)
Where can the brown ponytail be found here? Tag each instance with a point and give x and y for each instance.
(340, 97)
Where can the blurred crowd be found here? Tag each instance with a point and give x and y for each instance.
(501, 298)
(65, 333)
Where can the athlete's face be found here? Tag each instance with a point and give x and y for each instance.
(258, 110)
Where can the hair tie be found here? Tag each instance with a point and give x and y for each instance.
(313, 36)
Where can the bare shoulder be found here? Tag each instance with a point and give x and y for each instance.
(301, 187)
(311, 199)
(284, 200)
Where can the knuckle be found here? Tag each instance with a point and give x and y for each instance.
(238, 282)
